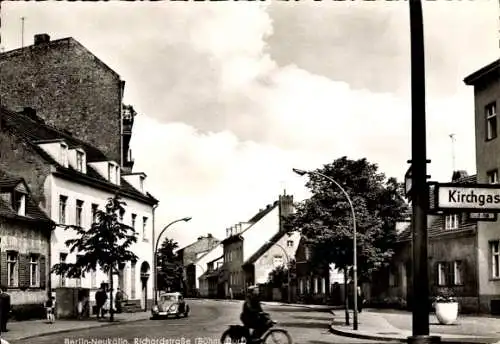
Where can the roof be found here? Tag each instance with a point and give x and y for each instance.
(34, 130)
(437, 226)
(33, 212)
(264, 248)
(256, 218)
(487, 70)
(62, 42)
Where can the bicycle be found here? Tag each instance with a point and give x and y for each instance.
(238, 334)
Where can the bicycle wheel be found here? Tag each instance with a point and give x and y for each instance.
(229, 337)
(277, 336)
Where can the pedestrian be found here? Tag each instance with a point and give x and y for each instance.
(50, 309)
(80, 307)
(4, 308)
(118, 300)
(100, 300)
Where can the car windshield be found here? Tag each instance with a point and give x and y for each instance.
(168, 298)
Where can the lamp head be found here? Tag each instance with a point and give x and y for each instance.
(186, 219)
(299, 172)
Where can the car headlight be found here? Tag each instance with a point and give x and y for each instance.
(173, 308)
(155, 309)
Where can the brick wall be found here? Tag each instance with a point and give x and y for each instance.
(20, 159)
(69, 88)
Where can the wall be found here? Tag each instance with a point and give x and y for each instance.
(143, 249)
(203, 261)
(487, 158)
(260, 233)
(19, 158)
(25, 238)
(265, 264)
(83, 97)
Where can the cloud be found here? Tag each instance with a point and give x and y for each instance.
(231, 97)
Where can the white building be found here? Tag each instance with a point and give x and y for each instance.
(73, 180)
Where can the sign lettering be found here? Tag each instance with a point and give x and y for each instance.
(468, 197)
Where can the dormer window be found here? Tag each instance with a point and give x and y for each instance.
(19, 203)
(64, 154)
(79, 160)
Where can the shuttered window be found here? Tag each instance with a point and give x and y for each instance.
(12, 269)
(34, 271)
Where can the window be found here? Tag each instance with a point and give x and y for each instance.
(490, 112)
(277, 261)
(495, 259)
(62, 259)
(62, 209)
(441, 274)
(93, 279)
(19, 203)
(323, 285)
(95, 207)
(78, 279)
(492, 176)
(289, 243)
(134, 216)
(144, 226)
(117, 174)
(315, 290)
(78, 213)
(34, 271)
(451, 221)
(64, 154)
(79, 161)
(301, 286)
(120, 215)
(457, 272)
(12, 269)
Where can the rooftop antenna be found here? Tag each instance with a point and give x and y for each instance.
(452, 137)
(22, 32)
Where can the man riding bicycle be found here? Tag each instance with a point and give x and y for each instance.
(252, 316)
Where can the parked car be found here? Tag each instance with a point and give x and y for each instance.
(170, 304)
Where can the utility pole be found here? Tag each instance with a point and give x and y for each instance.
(452, 137)
(419, 192)
(22, 32)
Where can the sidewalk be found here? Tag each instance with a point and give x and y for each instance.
(19, 330)
(396, 326)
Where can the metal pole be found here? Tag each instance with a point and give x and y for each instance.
(22, 32)
(155, 260)
(419, 193)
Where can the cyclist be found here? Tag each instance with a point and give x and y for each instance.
(252, 316)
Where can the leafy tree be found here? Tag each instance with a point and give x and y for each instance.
(105, 245)
(170, 268)
(279, 276)
(325, 219)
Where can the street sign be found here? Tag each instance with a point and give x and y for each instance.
(482, 216)
(480, 198)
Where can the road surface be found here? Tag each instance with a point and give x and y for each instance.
(207, 321)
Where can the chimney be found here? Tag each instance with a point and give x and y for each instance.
(42, 39)
(31, 113)
(209, 235)
(200, 238)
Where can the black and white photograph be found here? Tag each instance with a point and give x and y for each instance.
(238, 172)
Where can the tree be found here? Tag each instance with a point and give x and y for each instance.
(105, 245)
(171, 270)
(278, 277)
(325, 218)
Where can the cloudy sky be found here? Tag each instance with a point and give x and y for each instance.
(232, 95)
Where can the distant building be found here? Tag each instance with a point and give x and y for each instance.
(244, 239)
(70, 180)
(71, 89)
(486, 83)
(210, 281)
(24, 243)
(190, 257)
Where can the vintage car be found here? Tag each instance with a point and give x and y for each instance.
(170, 304)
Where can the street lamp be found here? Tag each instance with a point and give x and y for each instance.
(288, 272)
(355, 254)
(155, 260)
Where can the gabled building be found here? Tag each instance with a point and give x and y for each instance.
(210, 280)
(194, 258)
(70, 180)
(453, 260)
(24, 243)
(245, 239)
(486, 84)
(71, 89)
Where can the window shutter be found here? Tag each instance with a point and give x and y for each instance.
(3, 268)
(42, 262)
(23, 271)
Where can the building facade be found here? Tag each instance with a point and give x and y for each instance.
(209, 280)
(71, 180)
(486, 84)
(24, 243)
(84, 96)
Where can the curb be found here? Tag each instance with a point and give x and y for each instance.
(75, 329)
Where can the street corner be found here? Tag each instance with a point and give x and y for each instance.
(340, 329)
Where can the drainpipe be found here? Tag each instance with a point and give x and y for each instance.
(48, 273)
(153, 241)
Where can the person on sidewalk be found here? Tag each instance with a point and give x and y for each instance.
(118, 300)
(79, 308)
(50, 309)
(4, 308)
(100, 300)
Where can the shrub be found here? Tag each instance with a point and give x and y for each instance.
(28, 311)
